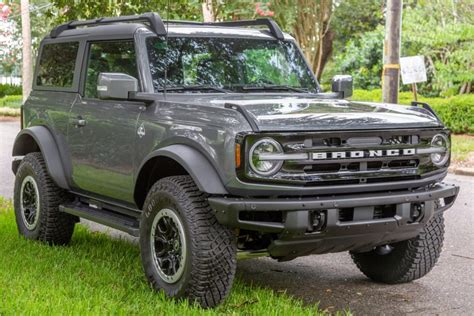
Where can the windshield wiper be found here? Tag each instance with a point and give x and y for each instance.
(274, 87)
(194, 88)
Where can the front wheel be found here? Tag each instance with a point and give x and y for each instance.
(185, 251)
(406, 260)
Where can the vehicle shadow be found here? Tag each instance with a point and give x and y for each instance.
(336, 284)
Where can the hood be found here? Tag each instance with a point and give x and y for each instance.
(290, 113)
(302, 114)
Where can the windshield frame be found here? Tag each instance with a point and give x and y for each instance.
(148, 78)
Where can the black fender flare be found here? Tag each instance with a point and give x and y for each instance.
(48, 147)
(195, 163)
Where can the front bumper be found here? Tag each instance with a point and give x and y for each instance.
(364, 228)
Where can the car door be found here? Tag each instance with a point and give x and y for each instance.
(102, 133)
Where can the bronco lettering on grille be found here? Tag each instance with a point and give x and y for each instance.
(363, 153)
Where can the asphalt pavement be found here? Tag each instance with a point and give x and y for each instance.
(334, 281)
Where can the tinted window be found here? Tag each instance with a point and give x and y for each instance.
(109, 57)
(231, 63)
(57, 63)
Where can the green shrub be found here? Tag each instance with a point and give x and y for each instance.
(456, 112)
(11, 101)
(9, 89)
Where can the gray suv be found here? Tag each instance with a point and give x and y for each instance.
(212, 142)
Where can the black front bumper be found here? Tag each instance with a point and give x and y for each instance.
(361, 232)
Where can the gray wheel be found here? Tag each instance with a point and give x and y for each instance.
(168, 245)
(36, 203)
(29, 203)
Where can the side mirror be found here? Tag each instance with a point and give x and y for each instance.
(342, 84)
(111, 85)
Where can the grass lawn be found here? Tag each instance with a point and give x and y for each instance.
(99, 275)
(462, 146)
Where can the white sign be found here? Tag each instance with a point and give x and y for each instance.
(413, 69)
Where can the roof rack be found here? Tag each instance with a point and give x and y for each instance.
(272, 25)
(154, 19)
(158, 26)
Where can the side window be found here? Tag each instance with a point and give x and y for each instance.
(117, 56)
(56, 65)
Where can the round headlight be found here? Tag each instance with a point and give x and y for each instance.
(440, 142)
(265, 167)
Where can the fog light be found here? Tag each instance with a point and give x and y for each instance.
(317, 221)
(417, 211)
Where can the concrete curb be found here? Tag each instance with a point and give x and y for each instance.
(462, 171)
(9, 118)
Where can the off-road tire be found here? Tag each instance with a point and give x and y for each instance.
(53, 227)
(210, 264)
(409, 260)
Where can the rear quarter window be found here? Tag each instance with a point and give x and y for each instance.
(57, 64)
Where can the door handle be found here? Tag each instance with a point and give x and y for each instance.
(79, 122)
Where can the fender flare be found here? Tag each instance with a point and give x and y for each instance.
(196, 164)
(47, 145)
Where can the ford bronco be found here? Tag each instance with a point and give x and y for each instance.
(214, 141)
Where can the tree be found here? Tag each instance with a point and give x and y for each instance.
(442, 31)
(10, 51)
(362, 58)
(309, 22)
(355, 17)
(27, 60)
(88, 9)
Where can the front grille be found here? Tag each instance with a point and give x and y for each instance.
(340, 158)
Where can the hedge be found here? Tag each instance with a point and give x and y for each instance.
(11, 101)
(456, 112)
(9, 89)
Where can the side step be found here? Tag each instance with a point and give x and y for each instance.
(105, 217)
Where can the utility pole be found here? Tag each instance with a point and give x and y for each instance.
(27, 64)
(391, 52)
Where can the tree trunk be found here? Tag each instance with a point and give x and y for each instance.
(27, 65)
(207, 11)
(326, 52)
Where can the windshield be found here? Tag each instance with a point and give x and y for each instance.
(233, 64)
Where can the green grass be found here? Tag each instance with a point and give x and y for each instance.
(11, 101)
(99, 275)
(462, 146)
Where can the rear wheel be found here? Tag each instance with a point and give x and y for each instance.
(407, 260)
(185, 252)
(36, 203)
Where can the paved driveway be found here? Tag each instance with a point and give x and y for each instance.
(334, 281)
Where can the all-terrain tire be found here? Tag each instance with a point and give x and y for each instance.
(52, 226)
(409, 260)
(210, 253)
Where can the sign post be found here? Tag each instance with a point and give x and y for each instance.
(413, 70)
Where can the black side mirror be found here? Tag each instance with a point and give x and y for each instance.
(111, 85)
(342, 84)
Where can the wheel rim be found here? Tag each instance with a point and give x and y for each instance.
(168, 245)
(29, 203)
